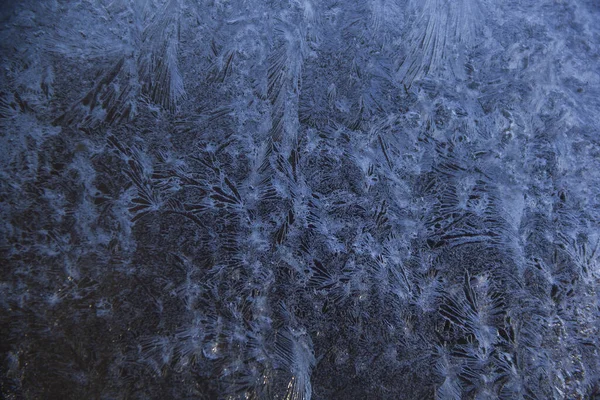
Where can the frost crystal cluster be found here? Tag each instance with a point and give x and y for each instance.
(300, 199)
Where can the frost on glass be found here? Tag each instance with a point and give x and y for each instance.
(299, 199)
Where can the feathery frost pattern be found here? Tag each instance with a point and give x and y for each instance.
(299, 200)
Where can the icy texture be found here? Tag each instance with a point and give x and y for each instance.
(300, 199)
